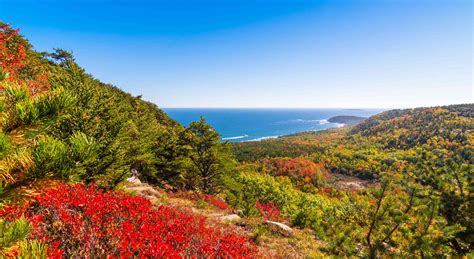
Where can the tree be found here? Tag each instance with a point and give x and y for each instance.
(210, 159)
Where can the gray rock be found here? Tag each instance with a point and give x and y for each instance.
(284, 229)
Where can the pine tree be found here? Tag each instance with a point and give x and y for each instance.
(210, 159)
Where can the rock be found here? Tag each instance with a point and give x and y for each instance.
(134, 180)
(230, 218)
(280, 227)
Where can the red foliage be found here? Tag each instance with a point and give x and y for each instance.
(13, 59)
(270, 211)
(216, 202)
(79, 221)
(12, 55)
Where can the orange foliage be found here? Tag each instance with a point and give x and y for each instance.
(301, 171)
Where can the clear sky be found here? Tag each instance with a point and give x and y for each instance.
(223, 53)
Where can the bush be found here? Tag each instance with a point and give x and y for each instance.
(84, 221)
(302, 209)
(269, 211)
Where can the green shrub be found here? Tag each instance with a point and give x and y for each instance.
(50, 156)
(4, 143)
(302, 209)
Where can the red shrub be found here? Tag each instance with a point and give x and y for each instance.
(216, 202)
(270, 211)
(79, 221)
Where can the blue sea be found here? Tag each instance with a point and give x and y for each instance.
(256, 124)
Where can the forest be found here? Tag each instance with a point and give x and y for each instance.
(399, 183)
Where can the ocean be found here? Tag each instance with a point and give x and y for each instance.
(238, 124)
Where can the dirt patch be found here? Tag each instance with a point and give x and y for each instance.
(349, 183)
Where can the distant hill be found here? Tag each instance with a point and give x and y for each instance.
(346, 119)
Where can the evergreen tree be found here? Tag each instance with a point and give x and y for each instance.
(210, 159)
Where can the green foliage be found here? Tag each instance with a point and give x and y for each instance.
(23, 109)
(13, 236)
(32, 249)
(210, 159)
(12, 232)
(302, 209)
(3, 201)
(4, 143)
(49, 157)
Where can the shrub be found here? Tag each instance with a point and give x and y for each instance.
(216, 202)
(84, 221)
(300, 208)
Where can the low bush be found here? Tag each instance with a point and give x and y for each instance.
(75, 220)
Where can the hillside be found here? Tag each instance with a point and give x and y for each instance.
(58, 126)
(425, 153)
(74, 127)
(88, 170)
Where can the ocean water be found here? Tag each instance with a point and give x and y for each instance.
(256, 124)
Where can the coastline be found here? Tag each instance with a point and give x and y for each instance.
(337, 126)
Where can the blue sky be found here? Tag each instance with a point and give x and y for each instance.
(351, 54)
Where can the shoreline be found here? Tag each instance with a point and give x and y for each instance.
(337, 126)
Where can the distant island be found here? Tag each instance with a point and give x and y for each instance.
(346, 119)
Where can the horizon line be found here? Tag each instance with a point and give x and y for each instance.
(347, 108)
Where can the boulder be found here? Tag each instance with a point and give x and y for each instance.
(280, 227)
(134, 180)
